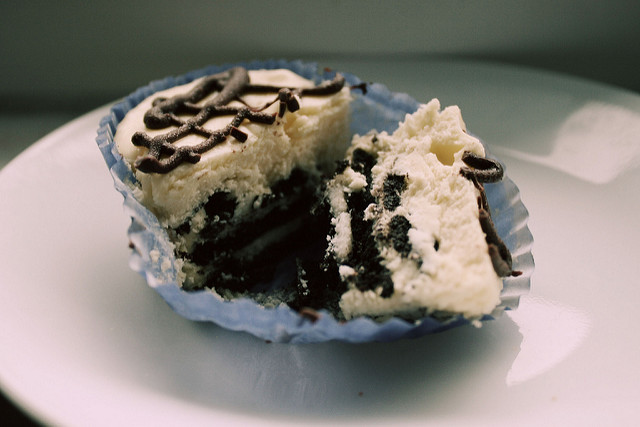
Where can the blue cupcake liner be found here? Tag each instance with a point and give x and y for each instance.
(379, 109)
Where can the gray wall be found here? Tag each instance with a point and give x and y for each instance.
(77, 55)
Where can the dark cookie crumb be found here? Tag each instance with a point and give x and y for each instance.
(221, 204)
(362, 162)
(392, 189)
(341, 165)
(365, 256)
(399, 227)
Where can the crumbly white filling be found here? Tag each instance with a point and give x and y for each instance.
(315, 135)
(441, 206)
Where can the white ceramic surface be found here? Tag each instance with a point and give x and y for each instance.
(84, 341)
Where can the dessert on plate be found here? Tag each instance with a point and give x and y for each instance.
(297, 203)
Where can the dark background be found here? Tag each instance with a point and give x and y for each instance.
(79, 55)
(59, 60)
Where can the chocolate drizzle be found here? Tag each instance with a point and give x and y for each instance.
(163, 156)
(481, 170)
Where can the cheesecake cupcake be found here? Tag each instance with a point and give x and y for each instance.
(302, 205)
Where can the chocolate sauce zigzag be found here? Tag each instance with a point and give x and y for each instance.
(163, 157)
(482, 170)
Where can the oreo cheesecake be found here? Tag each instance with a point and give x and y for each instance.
(230, 165)
(254, 206)
(411, 233)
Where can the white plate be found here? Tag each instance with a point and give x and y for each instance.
(84, 341)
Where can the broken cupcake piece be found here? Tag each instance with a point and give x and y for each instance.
(238, 171)
(230, 165)
(411, 234)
